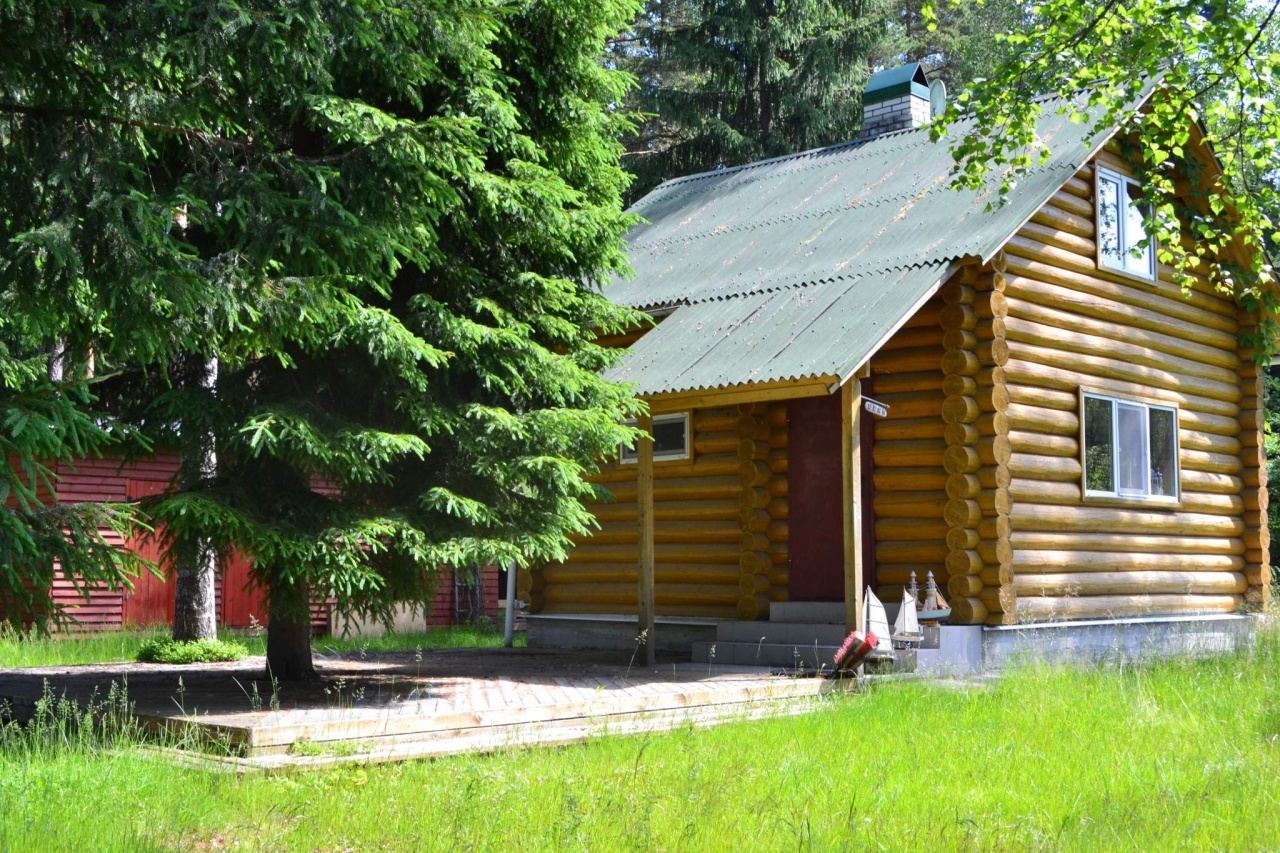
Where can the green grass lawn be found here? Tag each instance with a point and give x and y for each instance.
(1176, 756)
(23, 649)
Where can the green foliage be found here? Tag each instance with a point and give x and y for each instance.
(388, 222)
(1215, 64)
(960, 44)
(204, 650)
(723, 84)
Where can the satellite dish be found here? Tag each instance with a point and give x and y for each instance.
(937, 98)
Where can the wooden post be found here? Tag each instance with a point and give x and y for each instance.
(644, 504)
(851, 463)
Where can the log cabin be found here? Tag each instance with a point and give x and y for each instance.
(855, 373)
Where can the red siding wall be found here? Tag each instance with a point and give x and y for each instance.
(239, 604)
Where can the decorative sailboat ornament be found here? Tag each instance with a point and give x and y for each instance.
(906, 628)
(935, 607)
(876, 622)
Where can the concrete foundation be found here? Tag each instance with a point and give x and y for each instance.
(1108, 640)
(674, 634)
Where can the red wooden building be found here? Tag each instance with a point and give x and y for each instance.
(239, 603)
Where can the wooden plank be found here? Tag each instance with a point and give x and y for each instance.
(739, 394)
(851, 464)
(644, 505)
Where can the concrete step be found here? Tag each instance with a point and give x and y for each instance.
(831, 612)
(778, 655)
(796, 633)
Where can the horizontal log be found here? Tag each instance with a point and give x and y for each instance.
(909, 479)
(927, 315)
(959, 409)
(1130, 583)
(713, 612)
(668, 511)
(1060, 519)
(1215, 416)
(897, 577)
(961, 362)
(911, 553)
(964, 586)
(968, 611)
(1194, 439)
(962, 513)
(1043, 445)
(1061, 219)
(1213, 463)
(956, 385)
(1072, 203)
(1034, 260)
(1106, 606)
(955, 434)
(1220, 504)
(1116, 370)
(1036, 419)
(1056, 469)
(924, 453)
(917, 360)
(910, 504)
(962, 538)
(1045, 398)
(627, 532)
(959, 339)
(686, 573)
(723, 554)
(958, 318)
(917, 404)
(906, 383)
(1125, 542)
(914, 337)
(995, 476)
(963, 486)
(1043, 492)
(682, 489)
(1065, 316)
(1058, 238)
(625, 594)
(910, 529)
(1161, 294)
(1027, 561)
(964, 562)
(909, 429)
(1198, 377)
(961, 459)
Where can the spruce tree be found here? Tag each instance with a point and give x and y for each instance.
(389, 222)
(725, 83)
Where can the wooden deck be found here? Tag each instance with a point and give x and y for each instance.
(393, 706)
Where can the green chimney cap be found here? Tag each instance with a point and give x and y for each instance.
(892, 82)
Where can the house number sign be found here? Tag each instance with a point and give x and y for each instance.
(875, 407)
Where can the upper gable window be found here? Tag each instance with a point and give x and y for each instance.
(1121, 211)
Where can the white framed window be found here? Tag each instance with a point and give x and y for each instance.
(670, 439)
(1130, 448)
(1121, 229)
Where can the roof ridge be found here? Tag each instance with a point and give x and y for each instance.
(835, 147)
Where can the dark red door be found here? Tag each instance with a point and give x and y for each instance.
(151, 601)
(814, 492)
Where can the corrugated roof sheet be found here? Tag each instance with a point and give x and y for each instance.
(843, 227)
(823, 329)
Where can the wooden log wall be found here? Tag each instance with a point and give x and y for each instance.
(977, 436)
(1070, 325)
(720, 528)
(909, 478)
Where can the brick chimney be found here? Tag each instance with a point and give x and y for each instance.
(895, 99)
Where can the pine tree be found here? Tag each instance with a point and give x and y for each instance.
(725, 83)
(389, 222)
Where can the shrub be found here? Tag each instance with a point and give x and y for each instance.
(166, 650)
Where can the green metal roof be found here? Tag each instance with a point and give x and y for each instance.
(801, 266)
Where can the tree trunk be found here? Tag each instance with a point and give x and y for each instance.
(289, 633)
(194, 611)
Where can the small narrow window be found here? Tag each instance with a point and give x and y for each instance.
(670, 439)
(1122, 231)
(1130, 449)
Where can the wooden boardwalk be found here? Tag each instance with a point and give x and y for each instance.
(395, 706)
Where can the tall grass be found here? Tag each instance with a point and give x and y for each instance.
(1182, 755)
(30, 649)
